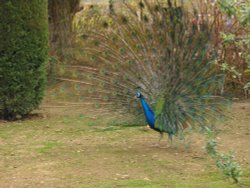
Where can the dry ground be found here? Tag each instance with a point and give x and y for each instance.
(59, 150)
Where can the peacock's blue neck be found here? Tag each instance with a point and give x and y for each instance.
(149, 114)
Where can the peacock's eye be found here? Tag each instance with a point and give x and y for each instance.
(138, 94)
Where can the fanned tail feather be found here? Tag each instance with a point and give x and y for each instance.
(163, 53)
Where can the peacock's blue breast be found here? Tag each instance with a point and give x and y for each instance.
(149, 114)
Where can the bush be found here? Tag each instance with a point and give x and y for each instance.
(23, 56)
(225, 162)
(229, 167)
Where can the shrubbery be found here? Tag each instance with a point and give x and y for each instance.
(23, 56)
(224, 161)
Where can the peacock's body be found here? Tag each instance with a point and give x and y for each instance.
(163, 52)
(148, 112)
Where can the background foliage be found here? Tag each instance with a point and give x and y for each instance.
(230, 23)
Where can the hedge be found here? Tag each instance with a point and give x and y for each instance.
(23, 56)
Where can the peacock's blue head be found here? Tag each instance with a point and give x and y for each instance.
(138, 94)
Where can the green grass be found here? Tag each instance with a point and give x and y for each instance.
(48, 146)
(65, 151)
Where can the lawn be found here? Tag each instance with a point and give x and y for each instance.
(55, 148)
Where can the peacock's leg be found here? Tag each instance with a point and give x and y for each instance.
(170, 141)
(158, 143)
(160, 137)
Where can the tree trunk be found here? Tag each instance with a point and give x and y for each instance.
(61, 14)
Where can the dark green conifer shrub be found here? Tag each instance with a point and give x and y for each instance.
(23, 56)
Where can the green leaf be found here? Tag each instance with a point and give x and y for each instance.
(227, 38)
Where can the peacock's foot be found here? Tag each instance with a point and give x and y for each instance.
(168, 145)
(165, 147)
(155, 146)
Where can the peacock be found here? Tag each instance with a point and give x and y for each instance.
(156, 52)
